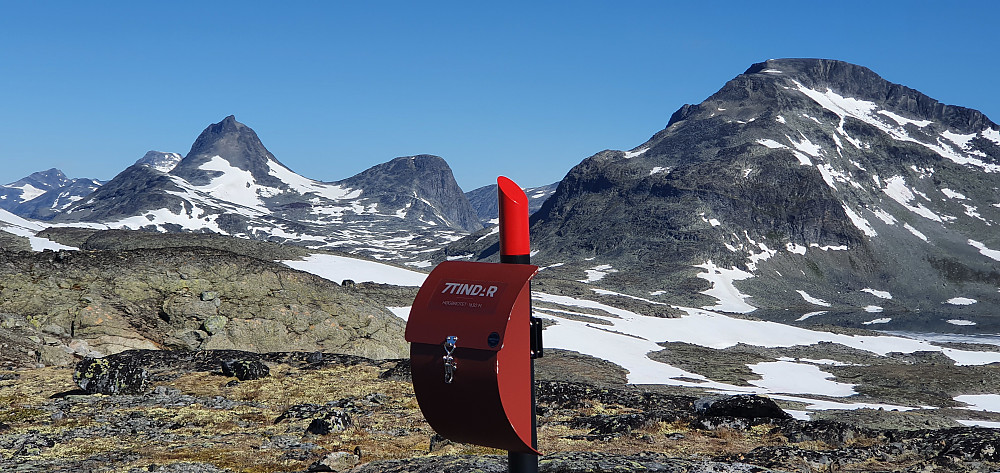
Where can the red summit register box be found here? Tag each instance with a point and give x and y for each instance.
(470, 353)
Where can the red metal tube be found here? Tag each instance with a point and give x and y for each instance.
(514, 238)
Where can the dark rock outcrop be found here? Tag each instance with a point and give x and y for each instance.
(116, 374)
(336, 421)
(245, 369)
(745, 406)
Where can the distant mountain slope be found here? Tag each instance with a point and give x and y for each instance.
(164, 162)
(803, 184)
(484, 200)
(229, 183)
(44, 194)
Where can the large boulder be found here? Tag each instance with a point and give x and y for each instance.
(744, 406)
(121, 374)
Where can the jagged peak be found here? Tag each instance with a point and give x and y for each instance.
(49, 173)
(859, 82)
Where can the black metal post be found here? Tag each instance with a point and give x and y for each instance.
(525, 462)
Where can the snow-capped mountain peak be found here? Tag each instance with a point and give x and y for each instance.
(163, 162)
(799, 176)
(231, 184)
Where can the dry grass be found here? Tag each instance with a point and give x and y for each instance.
(240, 438)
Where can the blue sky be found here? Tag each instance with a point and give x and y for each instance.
(522, 89)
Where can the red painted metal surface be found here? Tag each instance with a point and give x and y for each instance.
(486, 306)
(514, 239)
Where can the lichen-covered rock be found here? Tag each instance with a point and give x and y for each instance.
(194, 299)
(116, 374)
(336, 421)
(400, 371)
(245, 369)
(569, 462)
(336, 461)
(183, 467)
(745, 406)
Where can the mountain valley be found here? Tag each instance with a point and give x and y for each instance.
(811, 234)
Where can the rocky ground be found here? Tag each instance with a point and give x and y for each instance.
(231, 411)
(158, 293)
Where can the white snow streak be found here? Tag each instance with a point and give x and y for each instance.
(812, 300)
(730, 298)
(952, 194)
(860, 222)
(967, 323)
(915, 232)
(877, 293)
(771, 144)
(896, 189)
(961, 301)
(993, 254)
(638, 152)
(810, 314)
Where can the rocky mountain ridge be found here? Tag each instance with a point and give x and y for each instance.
(804, 191)
(44, 194)
(230, 184)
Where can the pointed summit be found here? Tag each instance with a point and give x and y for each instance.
(237, 145)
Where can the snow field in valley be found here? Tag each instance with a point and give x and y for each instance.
(338, 268)
(626, 338)
(11, 223)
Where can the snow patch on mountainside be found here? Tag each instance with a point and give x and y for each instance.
(338, 268)
(992, 254)
(949, 145)
(304, 185)
(799, 378)
(597, 273)
(28, 192)
(722, 279)
(961, 301)
(896, 189)
(859, 222)
(877, 293)
(980, 402)
(235, 185)
(191, 220)
(638, 152)
(812, 300)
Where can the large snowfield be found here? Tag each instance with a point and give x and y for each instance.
(626, 338)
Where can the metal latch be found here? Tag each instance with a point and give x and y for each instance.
(449, 361)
